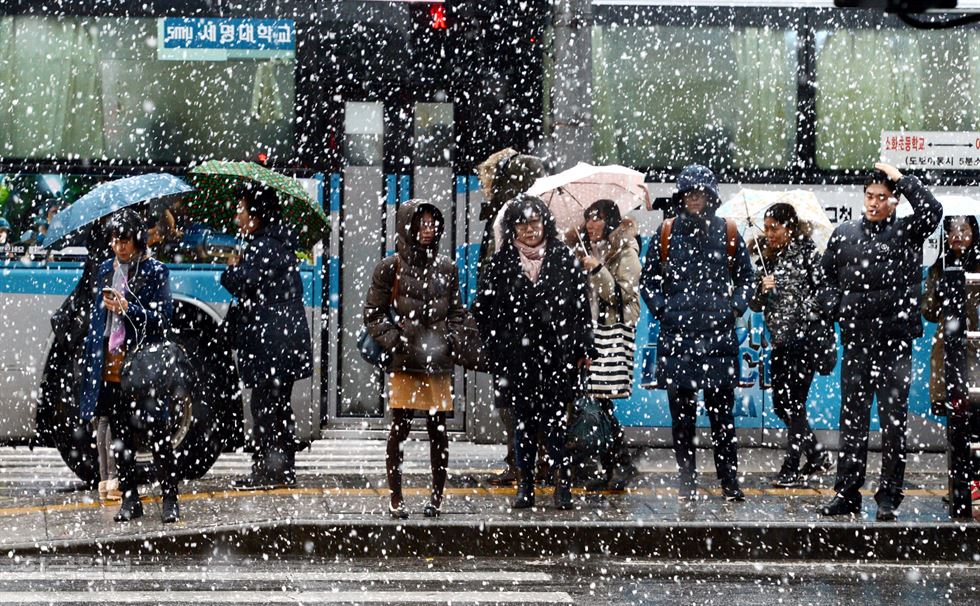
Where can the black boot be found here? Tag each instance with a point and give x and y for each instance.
(170, 509)
(131, 507)
(525, 491)
(563, 490)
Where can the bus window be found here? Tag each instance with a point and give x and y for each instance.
(874, 79)
(665, 96)
(94, 88)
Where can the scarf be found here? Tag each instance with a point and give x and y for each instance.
(116, 326)
(531, 258)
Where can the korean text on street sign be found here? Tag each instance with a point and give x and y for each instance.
(931, 149)
(216, 39)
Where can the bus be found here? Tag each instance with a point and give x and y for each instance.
(374, 102)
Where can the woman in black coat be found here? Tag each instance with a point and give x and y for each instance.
(270, 332)
(787, 295)
(533, 312)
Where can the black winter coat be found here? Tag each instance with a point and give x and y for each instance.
(269, 328)
(535, 333)
(791, 307)
(697, 298)
(873, 271)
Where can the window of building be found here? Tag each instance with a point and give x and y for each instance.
(869, 80)
(84, 88)
(665, 95)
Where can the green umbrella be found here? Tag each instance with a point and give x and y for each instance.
(215, 204)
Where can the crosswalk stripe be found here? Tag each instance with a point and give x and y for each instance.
(497, 576)
(279, 597)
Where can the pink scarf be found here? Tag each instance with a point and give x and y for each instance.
(531, 259)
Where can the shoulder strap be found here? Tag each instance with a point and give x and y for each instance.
(665, 239)
(731, 239)
(394, 286)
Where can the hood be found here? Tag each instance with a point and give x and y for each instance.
(695, 176)
(621, 238)
(405, 239)
(510, 176)
(279, 231)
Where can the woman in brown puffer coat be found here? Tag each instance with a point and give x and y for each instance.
(411, 307)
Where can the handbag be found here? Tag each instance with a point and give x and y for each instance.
(611, 373)
(156, 371)
(466, 345)
(589, 428)
(370, 350)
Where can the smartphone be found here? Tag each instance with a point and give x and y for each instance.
(109, 293)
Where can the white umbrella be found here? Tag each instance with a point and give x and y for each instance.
(570, 192)
(748, 207)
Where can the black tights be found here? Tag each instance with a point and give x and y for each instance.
(401, 425)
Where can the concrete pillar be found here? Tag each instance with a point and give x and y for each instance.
(570, 103)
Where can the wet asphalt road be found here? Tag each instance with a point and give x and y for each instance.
(570, 580)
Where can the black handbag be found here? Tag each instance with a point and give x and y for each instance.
(370, 350)
(156, 371)
(821, 346)
(466, 345)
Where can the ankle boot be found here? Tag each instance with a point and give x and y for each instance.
(131, 507)
(563, 490)
(525, 491)
(170, 508)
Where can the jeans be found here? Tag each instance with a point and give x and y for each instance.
(537, 412)
(791, 376)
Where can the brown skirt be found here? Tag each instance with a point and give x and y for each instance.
(418, 391)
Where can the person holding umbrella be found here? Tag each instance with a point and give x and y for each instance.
(961, 248)
(609, 251)
(532, 309)
(787, 295)
(270, 331)
(872, 287)
(697, 281)
(132, 308)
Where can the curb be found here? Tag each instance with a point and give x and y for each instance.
(942, 541)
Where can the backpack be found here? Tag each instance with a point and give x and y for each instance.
(731, 240)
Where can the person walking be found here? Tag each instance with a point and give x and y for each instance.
(532, 309)
(787, 296)
(697, 281)
(961, 246)
(872, 287)
(504, 175)
(412, 307)
(270, 332)
(609, 251)
(132, 309)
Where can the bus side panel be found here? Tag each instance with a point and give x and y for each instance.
(29, 295)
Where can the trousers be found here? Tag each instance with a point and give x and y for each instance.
(719, 404)
(874, 368)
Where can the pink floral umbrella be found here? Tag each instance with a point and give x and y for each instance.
(570, 192)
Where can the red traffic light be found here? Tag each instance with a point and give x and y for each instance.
(438, 14)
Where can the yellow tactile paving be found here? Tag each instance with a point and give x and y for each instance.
(477, 491)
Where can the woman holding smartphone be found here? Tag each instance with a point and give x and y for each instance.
(270, 333)
(132, 308)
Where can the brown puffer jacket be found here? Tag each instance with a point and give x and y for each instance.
(620, 267)
(427, 301)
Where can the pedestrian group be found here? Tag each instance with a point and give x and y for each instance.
(553, 321)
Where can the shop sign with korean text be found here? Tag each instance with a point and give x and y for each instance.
(932, 150)
(217, 39)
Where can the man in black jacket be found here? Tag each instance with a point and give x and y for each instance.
(873, 269)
